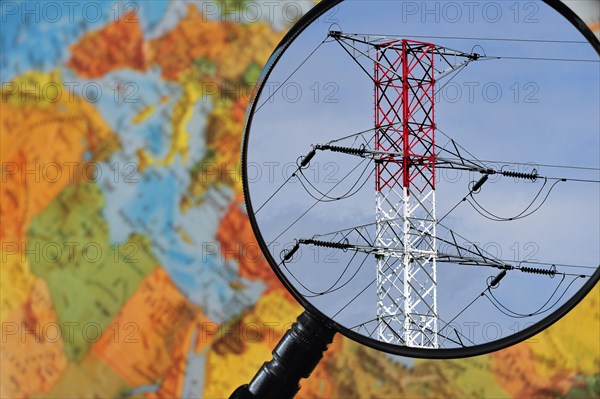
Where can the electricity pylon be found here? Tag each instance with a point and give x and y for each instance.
(405, 193)
(404, 75)
(404, 78)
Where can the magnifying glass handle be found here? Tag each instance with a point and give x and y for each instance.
(294, 358)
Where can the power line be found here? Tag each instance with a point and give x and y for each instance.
(346, 195)
(571, 179)
(462, 311)
(353, 299)
(317, 202)
(481, 162)
(276, 191)
(541, 310)
(534, 164)
(290, 76)
(550, 263)
(504, 57)
(332, 288)
(489, 215)
(480, 38)
(350, 279)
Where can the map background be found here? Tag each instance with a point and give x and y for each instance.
(129, 268)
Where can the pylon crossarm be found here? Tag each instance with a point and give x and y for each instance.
(440, 162)
(378, 155)
(352, 44)
(347, 246)
(344, 246)
(359, 238)
(356, 53)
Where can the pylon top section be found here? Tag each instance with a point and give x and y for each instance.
(361, 45)
(404, 75)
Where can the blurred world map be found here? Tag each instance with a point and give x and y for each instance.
(129, 268)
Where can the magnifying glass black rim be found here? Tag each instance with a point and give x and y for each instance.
(480, 349)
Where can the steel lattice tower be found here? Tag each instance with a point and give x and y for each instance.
(405, 194)
(403, 149)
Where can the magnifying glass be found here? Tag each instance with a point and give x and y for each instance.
(436, 173)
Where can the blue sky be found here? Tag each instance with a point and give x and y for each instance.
(547, 113)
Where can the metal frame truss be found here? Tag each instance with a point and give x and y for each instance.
(405, 194)
(405, 243)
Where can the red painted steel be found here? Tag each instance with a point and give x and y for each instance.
(404, 114)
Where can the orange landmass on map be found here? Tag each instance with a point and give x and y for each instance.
(43, 142)
(194, 37)
(237, 242)
(172, 381)
(44, 135)
(33, 357)
(515, 370)
(252, 44)
(546, 365)
(232, 47)
(154, 332)
(116, 46)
